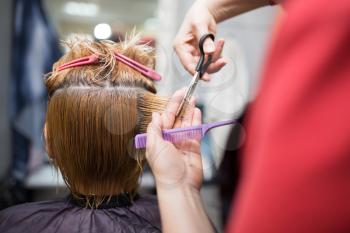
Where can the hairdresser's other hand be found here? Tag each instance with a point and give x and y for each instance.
(198, 21)
(180, 165)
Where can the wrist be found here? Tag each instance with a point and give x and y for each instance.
(184, 195)
(182, 210)
(176, 187)
(225, 9)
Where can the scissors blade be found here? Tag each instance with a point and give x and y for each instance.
(189, 93)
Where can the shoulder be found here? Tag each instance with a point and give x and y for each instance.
(146, 207)
(30, 207)
(318, 10)
(31, 213)
(63, 216)
(145, 202)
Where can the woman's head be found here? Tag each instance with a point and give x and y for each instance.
(94, 112)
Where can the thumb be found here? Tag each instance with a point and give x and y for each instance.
(209, 45)
(154, 131)
(155, 143)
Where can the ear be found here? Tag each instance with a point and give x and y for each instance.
(47, 147)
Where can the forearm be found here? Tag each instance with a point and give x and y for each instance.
(225, 9)
(182, 210)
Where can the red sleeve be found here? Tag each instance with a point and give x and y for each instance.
(296, 162)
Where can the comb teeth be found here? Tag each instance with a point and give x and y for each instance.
(171, 136)
(140, 141)
(183, 135)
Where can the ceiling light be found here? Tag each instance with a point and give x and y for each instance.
(80, 9)
(102, 31)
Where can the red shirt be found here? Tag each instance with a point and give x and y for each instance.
(296, 163)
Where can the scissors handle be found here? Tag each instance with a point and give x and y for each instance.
(200, 70)
(201, 66)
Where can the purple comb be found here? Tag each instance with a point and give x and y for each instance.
(181, 134)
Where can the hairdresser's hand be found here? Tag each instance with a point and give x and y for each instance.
(198, 21)
(177, 165)
(201, 19)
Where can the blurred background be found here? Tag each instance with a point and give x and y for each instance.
(31, 31)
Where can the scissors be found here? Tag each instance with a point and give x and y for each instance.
(200, 70)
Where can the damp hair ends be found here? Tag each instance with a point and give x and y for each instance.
(93, 115)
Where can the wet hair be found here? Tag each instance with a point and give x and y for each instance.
(93, 114)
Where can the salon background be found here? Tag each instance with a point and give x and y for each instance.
(31, 31)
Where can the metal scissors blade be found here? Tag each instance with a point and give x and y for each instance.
(200, 70)
(189, 92)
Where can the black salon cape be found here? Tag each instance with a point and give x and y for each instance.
(66, 216)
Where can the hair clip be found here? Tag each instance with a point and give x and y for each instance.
(146, 71)
(94, 59)
(89, 60)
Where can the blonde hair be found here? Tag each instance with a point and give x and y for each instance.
(93, 115)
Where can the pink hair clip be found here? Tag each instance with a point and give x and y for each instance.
(94, 59)
(148, 72)
(89, 60)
